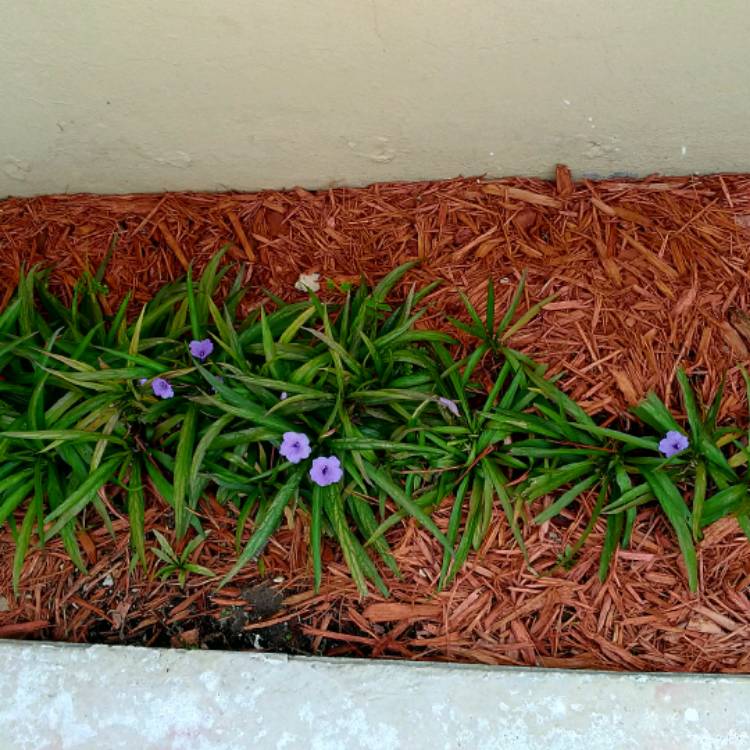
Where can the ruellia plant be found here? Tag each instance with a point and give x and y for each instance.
(352, 411)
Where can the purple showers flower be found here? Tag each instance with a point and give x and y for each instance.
(326, 470)
(672, 443)
(162, 388)
(295, 446)
(451, 406)
(201, 349)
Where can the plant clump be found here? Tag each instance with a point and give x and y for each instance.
(348, 409)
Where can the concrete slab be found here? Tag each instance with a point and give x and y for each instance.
(106, 698)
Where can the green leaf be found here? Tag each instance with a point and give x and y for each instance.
(356, 558)
(713, 409)
(512, 307)
(453, 525)
(678, 514)
(195, 327)
(601, 500)
(78, 436)
(135, 338)
(247, 508)
(528, 316)
(200, 453)
(490, 314)
(361, 444)
(296, 325)
(315, 535)
(117, 326)
(472, 517)
(67, 534)
(337, 349)
(555, 395)
(566, 499)
(699, 496)
(612, 538)
(648, 444)
(382, 480)
(136, 511)
(724, 503)
(549, 481)
(24, 537)
(367, 524)
(632, 497)
(654, 413)
(473, 314)
(14, 499)
(500, 482)
(691, 408)
(268, 522)
(81, 496)
(387, 283)
(183, 459)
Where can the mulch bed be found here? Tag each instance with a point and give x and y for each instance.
(649, 275)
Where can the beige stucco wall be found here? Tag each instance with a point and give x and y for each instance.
(130, 95)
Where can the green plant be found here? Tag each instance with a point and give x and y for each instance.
(179, 562)
(76, 417)
(627, 471)
(477, 456)
(349, 384)
(99, 409)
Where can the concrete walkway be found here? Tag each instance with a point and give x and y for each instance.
(106, 698)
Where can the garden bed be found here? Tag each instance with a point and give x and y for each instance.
(649, 276)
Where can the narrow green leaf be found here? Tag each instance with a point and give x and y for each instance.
(512, 307)
(204, 444)
(611, 540)
(654, 413)
(136, 511)
(549, 481)
(183, 459)
(724, 503)
(382, 480)
(316, 534)
(691, 408)
(81, 495)
(14, 499)
(195, 326)
(24, 537)
(699, 496)
(527, 317)
(268, 522)
(678, 514)
(566, 499)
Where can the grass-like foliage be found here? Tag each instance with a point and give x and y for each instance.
(350, 410)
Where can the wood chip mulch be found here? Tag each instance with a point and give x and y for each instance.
(649, 275)
(497, 611)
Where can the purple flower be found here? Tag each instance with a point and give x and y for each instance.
(283, 396)
(201, 349)
(451, 406)
(162, 388)
(143, 381)
(672, 443)
(326, 470)
(295, 446)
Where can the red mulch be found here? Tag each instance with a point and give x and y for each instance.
(497, 611)
(649, 275)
